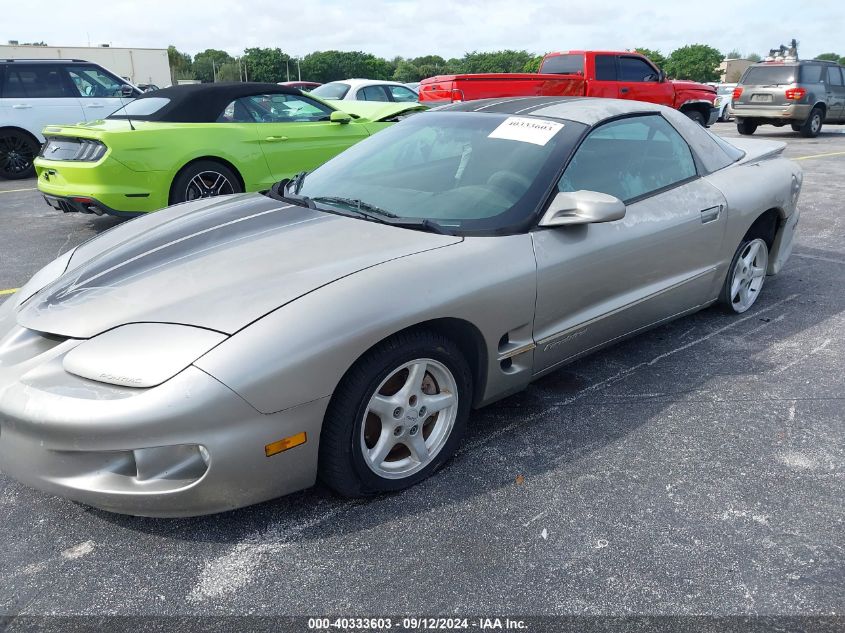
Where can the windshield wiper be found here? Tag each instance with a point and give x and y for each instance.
(280, 191)
(377, 214)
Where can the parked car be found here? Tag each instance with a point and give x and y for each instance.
(414, 85)
(724, 94)
(804, 94)
(301, 85)
(198, 141)
(614, 75)
(366, 90)
(36, 92)
(223, 352)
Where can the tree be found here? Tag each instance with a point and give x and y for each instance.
(655, 56)
(229, 71)
(697, 62)
(828, 57)
(207, 61)
(533, 64)
(754, 57)
(505, 61)
(180, 64)
(734, 54)
(266, 64)
(325, 66)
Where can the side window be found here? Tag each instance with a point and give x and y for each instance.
(605, 67)
(39, 81)
(284, 108)
(635, 69)
(630, 158)
(811, 74)
(235, 112)
(834, 76)
(372, 93)
(91, 81)
(403, 94)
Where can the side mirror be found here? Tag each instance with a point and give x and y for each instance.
(661, 76)
(127, 91)
(340, 117)
(582, 207)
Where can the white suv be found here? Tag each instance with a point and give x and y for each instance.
(35, 93)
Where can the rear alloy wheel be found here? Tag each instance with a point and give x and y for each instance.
(204, 179)
(696, 116)
(746, 277)
(813, 125)
(397, 416)
(17, 151)
(746, 127)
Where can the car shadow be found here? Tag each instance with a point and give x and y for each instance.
(648, 374)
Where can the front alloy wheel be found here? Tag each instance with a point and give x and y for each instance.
(397, 415)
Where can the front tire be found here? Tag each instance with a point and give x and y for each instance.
(746, 127)
(397, 416)
(17, 153)
(746, 276)
(696, 116)
(813, 125)
(203, 179)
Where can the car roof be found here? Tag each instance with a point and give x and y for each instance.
(357, 83)
(586, 110)
(203, 103)
(42, 60)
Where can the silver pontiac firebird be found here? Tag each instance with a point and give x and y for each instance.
(342, 325)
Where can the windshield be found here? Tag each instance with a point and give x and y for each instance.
(334, 90)
(463, 171)
(563, 65)
(140, 107)
(770, 75)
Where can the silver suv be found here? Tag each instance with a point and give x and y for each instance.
(804, 94)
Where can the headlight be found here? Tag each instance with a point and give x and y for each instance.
(140, 354)
(43, 278)
(76, 149)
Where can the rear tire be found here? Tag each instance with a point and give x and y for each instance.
(379, 434)
(204, 179)
(813, 125)
(17, 153)
(746, 275)
(746, 127)
(696, 116)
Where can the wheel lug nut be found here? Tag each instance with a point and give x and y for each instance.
(414, 430)
(422, 411)
(397, 412)
(397, 431)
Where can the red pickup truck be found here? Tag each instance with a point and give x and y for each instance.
(581, 74)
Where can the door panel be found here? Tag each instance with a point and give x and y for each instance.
(638, 81)
(598, 282)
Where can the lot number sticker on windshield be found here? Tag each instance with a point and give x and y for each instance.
(518, 128)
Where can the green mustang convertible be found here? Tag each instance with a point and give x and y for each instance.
(189, 142)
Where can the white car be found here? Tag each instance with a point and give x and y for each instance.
(366, 90)
(39, 92)
(724, 97)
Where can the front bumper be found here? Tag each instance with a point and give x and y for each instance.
(793, 111)
(116, 189)
(137, 451)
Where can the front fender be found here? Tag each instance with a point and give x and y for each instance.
(301, 351)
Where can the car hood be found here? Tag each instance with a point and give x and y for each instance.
(377, 110)
(219, 266)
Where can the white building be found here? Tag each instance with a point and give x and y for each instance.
(138, 65)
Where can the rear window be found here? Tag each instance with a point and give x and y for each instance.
(334, 90)
(770, 75)
(563, 65)
(140, 107)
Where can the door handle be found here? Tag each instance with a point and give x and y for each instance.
(93, 105)
(21, 106)
(711, 214)
(623, 90)
(275, 139)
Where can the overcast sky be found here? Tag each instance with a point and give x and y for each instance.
(445, 27)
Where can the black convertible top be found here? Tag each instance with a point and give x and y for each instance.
(201, 103)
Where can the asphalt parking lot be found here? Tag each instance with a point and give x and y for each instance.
(697, 469)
